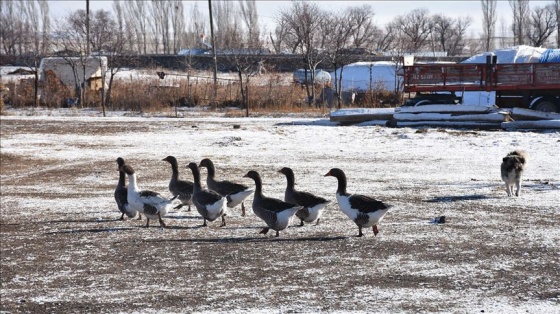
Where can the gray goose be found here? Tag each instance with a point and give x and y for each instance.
(312, 205)
(152, 204)
(209, 204)
(275, 213)
(183, 189)
(235, 193)
(121, 192)
(363, 210)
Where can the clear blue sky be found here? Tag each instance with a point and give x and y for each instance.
(384, 10)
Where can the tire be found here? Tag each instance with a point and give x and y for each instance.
(423, 102)
(546, 105)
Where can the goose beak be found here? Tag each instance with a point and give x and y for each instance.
(328, 174)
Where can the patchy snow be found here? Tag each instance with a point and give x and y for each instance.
(62, 247)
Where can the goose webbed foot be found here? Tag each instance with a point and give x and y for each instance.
(360, 234)
(179, 206)
(264, 230)
(162, 224)
(122, 217)
(204, 224)
(375, 230)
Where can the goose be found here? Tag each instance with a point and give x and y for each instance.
(209, 204)
(152, 204)
(181, 188)
(276, 213)
(235, 193)
(365, 211)
(312, 205)
(121, 192)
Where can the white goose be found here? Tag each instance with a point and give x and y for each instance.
(365, 211)
(152, 204)
(121, 194)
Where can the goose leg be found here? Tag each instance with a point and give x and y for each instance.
(178, 206)
(301, 223)
(277, 233)
(243, 213)
(223, 221)
(147, 222)
(375, 230)
(161, 221)
(264, 230)
(122, 217)
(317, 223)
(360, 231)
(204, 224)
(139, 217)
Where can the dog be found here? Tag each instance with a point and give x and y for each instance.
(512, 169)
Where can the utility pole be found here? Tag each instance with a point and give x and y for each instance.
(215, 95)
(87, 27)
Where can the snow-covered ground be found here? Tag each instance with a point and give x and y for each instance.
(64, 250)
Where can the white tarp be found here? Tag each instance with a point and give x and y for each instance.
(517, 54)
(365, 76)
(63, 68)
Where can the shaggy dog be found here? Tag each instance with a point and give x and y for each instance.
(512, 169)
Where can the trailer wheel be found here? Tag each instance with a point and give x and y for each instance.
(546, 105)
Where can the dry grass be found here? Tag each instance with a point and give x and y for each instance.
(270, 93)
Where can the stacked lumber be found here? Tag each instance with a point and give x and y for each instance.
(451, 116)
(527, 119)
(378, 116)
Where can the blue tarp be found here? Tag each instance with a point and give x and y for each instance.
(550, 55)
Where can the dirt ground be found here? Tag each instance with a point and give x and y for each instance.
(64, 250)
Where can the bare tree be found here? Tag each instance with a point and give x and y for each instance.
(137, 14)
(414, 29)
(8, 27)
(46, 26)
(488, 22)
(520, 12)
(228, 35)
(449, 33)
(365, 29)
(195, 29)
(251, 19)
(387, 38)
(557, 10)
(24, 27)
(542, 24)
(302, 23)
(177, 25)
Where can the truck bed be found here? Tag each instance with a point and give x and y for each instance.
(481, 77)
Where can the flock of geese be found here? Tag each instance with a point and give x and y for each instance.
(213, 202)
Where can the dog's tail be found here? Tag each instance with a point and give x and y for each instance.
(521, 153)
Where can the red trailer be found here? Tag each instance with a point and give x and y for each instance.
(526, 85)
